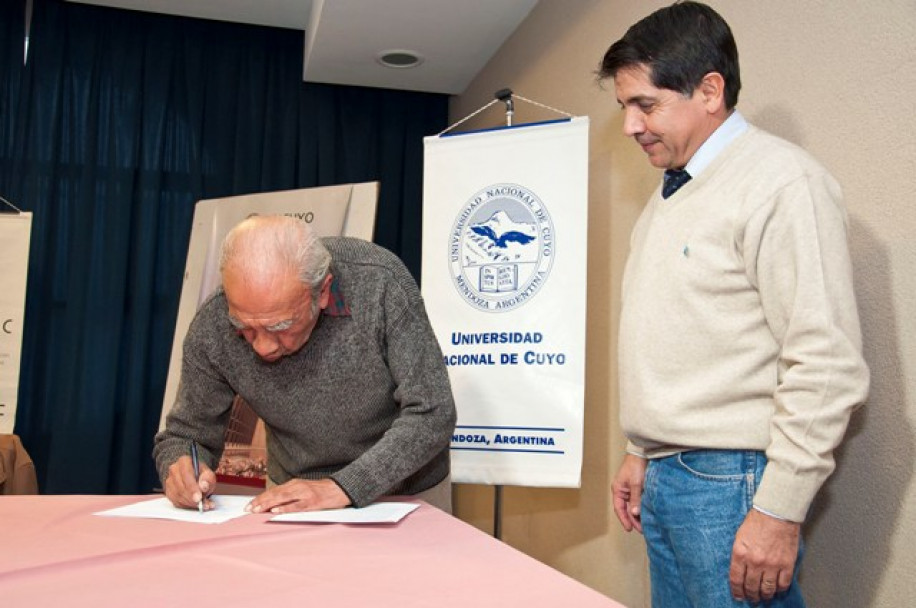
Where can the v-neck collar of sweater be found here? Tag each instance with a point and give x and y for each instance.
(664, 205)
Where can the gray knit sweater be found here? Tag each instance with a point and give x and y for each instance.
(366, 401)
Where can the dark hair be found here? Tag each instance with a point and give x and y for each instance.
(679, 44)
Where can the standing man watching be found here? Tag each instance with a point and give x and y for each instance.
(329, 343)
(740, 349)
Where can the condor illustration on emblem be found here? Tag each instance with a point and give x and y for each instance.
(501, 248)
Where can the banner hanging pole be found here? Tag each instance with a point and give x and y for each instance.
(498, 512)
(505, 96)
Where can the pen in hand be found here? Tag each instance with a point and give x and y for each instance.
(196, 462)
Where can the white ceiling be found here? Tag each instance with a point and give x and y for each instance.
(343, 38)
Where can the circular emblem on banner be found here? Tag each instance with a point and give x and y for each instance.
(501, 248)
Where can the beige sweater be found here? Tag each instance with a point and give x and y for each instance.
(739, 327)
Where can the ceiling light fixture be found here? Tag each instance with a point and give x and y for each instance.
(399, 59)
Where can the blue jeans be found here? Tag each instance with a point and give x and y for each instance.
(692, 506)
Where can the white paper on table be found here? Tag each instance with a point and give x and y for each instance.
(376, 513)
(225, 507)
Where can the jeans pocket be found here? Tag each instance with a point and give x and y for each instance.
(715, 465)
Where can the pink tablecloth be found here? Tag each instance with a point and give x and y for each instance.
(55, 552)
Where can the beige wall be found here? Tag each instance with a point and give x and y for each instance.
(839, 78)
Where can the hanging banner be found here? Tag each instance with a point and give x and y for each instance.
(504, 280)
(15, 233)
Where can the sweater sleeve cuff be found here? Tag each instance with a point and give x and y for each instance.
(357, 485)
(767, 513)
(785, 494)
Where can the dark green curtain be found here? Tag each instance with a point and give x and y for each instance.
(117, 124)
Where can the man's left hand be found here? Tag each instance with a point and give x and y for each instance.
(300, 495)
(763, 557)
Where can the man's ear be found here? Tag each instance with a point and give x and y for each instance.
(712, 88)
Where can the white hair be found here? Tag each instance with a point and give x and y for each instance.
(265, 245)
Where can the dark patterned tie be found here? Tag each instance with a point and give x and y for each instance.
(674, 179)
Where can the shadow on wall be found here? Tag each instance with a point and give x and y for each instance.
(852, 525)
(779, 121)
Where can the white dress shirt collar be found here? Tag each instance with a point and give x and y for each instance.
(733, 126)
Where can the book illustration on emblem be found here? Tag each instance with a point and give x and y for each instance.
(499, 278)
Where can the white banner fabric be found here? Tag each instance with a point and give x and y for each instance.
(347, 210)
(15, 233)
(504, 280)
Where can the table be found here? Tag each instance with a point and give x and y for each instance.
(55, 552)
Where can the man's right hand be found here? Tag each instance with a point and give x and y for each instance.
(627, 492)
(183, 489)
